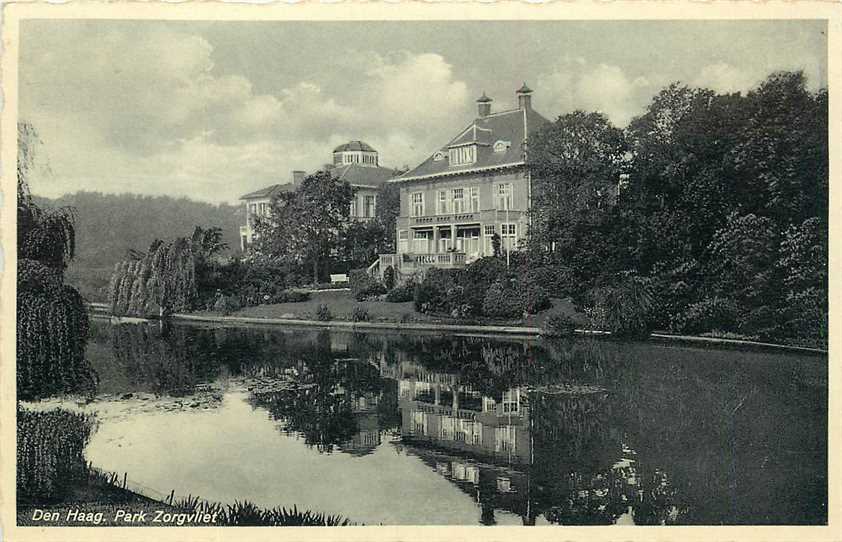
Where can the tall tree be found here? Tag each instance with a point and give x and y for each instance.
(52, 322)
(304, 226)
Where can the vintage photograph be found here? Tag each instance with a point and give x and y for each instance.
(403, 273)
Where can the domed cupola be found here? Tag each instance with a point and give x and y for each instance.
(355, 152)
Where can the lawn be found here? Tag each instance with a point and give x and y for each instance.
(342, 306)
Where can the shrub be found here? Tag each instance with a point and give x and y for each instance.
(360, 314)
(323, 313)
(364, 285)
(559, 325)
(438, 291)
(50, 453)
(389, 277)
(406, 318)
(402, 293)
(502, 302)
(226, 304)
(625, 307)
(535, 299)
(557, 280)
(711, 314)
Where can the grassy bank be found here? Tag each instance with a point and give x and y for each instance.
(342, 305)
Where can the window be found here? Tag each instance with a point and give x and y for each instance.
(502, 146)
(369, 206)
(353, 206)
(509, 230)
(463, 155)
(458, 200)
(504, 196)
(439, 156)
(263, 209)
(474, 199)
(253, 209)
(489, 229)
(442, 202)
(417, 199)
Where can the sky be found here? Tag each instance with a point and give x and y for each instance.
(213, 110)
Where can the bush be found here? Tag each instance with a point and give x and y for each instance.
(323, 313)
(711, 314)
(389, 277)
(502, 302)
(535, 299)
(226, 304)
(439, 291)
(559, 325)
(364, 285)
(50, 453)
(557, 280)
(360, 314)
(625, 308)
(402, 293)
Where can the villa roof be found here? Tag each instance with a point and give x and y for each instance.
(355, 145)
(354, 174)
(358, 175)
(269, 191)
(510, 127)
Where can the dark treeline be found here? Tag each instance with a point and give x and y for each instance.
(109, 225)
(721, 210)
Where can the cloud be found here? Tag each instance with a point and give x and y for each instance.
(575, 84)
(148, 112)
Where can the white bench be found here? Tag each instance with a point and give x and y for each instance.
(339, 279)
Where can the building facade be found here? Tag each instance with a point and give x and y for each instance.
(355, 162)
(471, 190)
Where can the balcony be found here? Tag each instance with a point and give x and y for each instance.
(444, 259)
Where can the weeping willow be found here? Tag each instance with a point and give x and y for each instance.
(164, 279)
(52, 321)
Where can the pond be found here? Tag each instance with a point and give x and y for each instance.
(449, 430)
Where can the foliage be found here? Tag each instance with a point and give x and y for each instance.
(50, 453)
(389, 277)
(707, 315)
(575, 163)
(323, 313)
(386, 213)
(363, 285)
(559, 325)
(226, 304)
(164, 277)
(51, 318)
(502, 301)
(534, 298)
(304, 226)
(709, 189)
(558, 280)
(402, 292)
(624, 306)
(360, 314)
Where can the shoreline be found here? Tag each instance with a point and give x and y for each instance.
(462, 329)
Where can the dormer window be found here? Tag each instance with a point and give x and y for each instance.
(502, 146)
(439, 156)
(463, 155)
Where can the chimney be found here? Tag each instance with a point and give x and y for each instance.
(483, 105)
(524, 97)
(297, 177)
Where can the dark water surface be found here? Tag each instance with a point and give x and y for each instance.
(413, 429)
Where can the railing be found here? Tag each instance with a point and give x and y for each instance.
(441, 259)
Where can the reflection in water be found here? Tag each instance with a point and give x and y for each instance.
(574, 433)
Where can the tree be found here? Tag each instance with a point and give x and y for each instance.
(164, 277)
(387, 211)
(304, 226)
(52, 321)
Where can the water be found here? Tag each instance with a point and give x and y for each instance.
(409, 429)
